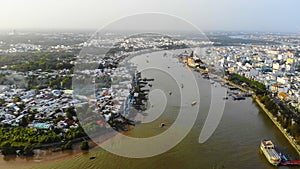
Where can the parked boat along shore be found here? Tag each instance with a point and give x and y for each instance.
(261, 105)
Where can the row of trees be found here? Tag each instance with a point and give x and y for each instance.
(257, 87)
(36, 82)
(69, 145)
(56, 83)
(45, 61)
(269, 104)
(43, 64)
(39, 61)
(283, 116)
(24, 138)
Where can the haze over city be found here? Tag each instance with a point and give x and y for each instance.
(208, 15)
(155, 84)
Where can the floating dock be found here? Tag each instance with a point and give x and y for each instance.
(292, 162)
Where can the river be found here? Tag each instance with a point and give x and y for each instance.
(233, 145)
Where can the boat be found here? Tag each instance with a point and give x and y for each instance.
(285, 161)
(283, 158)
(162, 125)
(225, 98)
(238, 97)
(267, 147)
(92, 158)
(233, 88)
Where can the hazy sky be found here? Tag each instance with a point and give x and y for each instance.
(247, 15)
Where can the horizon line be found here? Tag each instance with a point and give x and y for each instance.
(8, 30)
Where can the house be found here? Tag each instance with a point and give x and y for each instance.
(45, 126)
(275, 87)
(283, 96)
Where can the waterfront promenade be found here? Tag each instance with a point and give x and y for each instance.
(262, 106)
(278, 125)
(269, 114)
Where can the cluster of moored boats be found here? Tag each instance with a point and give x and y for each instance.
(267, 147)
(111, 108)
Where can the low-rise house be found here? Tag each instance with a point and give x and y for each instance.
(283, 96)
(44, 126)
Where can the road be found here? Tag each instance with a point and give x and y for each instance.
(284, 105)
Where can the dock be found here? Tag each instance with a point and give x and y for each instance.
(292, 162)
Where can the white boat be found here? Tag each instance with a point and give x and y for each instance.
(267, 147)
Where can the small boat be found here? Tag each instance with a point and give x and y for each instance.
(268, 149)
(91, 158)
(194, 103)
(238, 97)
(162, 125)
(233, 88)
(283, 158)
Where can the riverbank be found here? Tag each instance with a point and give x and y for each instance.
(262, 106)
(271, 117)
(42, 157)
(242, 127)
(278, 125)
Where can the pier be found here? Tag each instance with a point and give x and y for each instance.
(292, 162)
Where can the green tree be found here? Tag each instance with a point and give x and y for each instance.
(70, 112)
(17, 99)
(294, 129)
(21, 106)
(7, 149)
(67, 146)
(24, 121)
(84, 145)
(67, 83)
(2, 101)
(28, 151)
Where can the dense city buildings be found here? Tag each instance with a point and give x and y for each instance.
(46, 84)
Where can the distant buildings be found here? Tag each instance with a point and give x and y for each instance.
(275, 66)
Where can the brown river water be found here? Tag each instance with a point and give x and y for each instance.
(233, 145)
